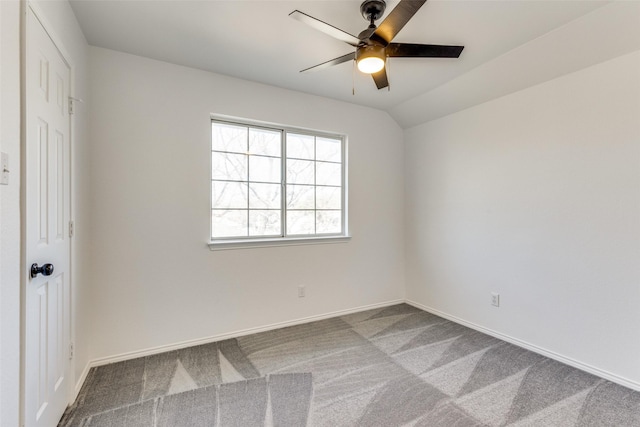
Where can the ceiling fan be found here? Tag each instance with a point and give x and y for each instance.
(373, 45)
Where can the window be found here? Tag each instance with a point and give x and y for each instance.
(275, 183)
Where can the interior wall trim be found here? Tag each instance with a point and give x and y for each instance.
(515, 341)
(80, 382)
(190, 343)
(536, 349)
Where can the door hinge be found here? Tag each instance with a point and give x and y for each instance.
(70, 351)
(72, 101)
(71, 229)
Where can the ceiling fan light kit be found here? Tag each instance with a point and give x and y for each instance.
(370, 59)
(373, 45)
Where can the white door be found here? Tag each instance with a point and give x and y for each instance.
(47, 209)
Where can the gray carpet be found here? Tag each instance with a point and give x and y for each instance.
(394, 366)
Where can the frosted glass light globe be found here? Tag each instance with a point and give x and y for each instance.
(370, 65)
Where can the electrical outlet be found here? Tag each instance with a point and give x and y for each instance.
(495, 299)
(302, 291)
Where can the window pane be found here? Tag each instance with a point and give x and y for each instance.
(225, 166)
(300, 146)
(228, 195)
(264, 196)
(300, 222)
(264, 223)
(300, 172)
(328, 197)
(227, 137)
(300, 197)
(264, 169)
(264, 142)
(329, 150)
(328, 174)
(232, 223)
(251, 165)
(328, 222)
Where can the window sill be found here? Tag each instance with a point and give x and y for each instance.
(220, 245)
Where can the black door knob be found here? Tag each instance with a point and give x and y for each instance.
(46, 270)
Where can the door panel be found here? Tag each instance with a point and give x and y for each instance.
(47, 209)
(43, 181)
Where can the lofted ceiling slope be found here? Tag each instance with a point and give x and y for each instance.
(258, 41)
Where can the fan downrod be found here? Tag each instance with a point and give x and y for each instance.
(372, 10)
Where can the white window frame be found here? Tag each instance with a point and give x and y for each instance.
(242, 242)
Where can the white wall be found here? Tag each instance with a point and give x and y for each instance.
(10, 214)
(60, 21)
(155, 280)
(536, 196)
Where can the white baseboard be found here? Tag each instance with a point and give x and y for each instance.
(548, 353)
(81, 380)
(190, 343)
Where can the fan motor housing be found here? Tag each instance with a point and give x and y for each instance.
(373, 49)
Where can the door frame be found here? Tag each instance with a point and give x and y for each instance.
(27, 7)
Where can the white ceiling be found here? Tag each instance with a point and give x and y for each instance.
(258, 41)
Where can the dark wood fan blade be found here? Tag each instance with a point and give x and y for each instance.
(398, 17)
(409, 50)
(381, 78)
(328, 29)
(339, 60)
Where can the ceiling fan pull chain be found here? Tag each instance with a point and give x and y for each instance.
(353, 79)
